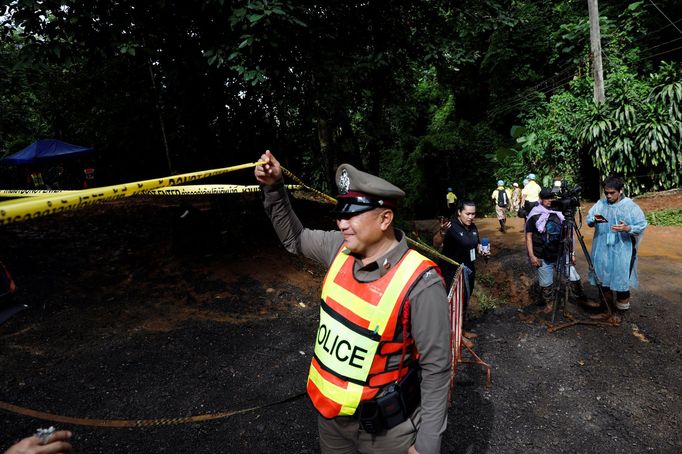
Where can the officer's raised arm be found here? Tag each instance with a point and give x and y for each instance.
(314, 244)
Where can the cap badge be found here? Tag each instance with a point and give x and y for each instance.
(344, 182)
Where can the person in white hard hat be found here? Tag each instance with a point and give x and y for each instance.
(515, 197)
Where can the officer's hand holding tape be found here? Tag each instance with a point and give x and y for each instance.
(270, 173)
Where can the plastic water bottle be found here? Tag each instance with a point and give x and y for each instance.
(485, 246)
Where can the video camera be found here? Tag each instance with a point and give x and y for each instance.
(567, 200)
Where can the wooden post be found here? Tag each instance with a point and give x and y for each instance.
(595, 47)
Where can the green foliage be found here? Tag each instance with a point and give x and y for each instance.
(671, 217)
(422, 92)
(436, 149)
(21, 118)
(487, 302)
(638, 132)
(549, 144)
(260, 26)
(486, 279)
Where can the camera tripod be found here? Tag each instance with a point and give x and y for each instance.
(563, 269)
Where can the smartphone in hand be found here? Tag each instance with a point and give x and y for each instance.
(600, 218)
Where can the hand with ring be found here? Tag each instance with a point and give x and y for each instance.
(44, 442)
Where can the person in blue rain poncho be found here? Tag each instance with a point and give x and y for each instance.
(618, 227)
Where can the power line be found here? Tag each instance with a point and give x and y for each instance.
(660, 11)
(517, 100)
(510, 106)
(662, 44)
(520, 98)
(661, 53)
(523, 96)
(647, 35)
(529, 90)
(657, 30)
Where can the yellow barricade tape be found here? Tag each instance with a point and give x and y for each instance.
(212, 189)
(46, 202)
(23, 210)
(33, 192)
(190, 189)
(325, 197)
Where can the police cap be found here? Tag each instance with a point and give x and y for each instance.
(360, 191)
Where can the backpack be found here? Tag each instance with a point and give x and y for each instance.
(502, 198)
(552, 235)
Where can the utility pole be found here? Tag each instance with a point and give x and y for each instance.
(595, 54)
(595, 47)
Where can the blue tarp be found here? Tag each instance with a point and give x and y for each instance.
(44, 151)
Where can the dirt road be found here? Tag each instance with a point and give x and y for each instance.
(137, 315)
(582, 389)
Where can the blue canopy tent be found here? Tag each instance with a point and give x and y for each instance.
(45, 151)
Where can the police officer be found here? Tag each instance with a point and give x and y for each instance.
(381, 304)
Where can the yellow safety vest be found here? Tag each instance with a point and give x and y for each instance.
(357, 333)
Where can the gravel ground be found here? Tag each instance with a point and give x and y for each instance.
(135, 315)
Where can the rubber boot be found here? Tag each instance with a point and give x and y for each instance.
(547, 298)
(501, 225)
(608, 296)
(622, 306)
(580, 297)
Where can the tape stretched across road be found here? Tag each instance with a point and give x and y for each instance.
(46, 203)
(212, 189)
(190, 189)
(25, 209)
(33, 192)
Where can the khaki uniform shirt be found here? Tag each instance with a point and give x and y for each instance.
(429, 313)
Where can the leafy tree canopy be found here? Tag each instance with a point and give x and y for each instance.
(424, 92)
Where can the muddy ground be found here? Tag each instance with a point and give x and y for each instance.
(136, 313)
